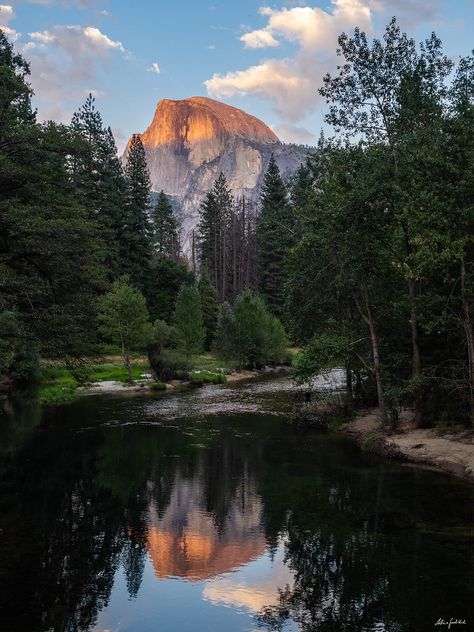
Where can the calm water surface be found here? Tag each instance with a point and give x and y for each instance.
(210, 511)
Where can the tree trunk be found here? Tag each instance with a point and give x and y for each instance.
(349, 393)
(374, 342)
(416, 371)
(128, 366)
(127, 363)
(469, 337)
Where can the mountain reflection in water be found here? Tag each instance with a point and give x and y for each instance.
(195, 512)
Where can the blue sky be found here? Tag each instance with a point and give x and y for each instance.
(265, 57)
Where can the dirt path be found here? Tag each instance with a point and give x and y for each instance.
(451, 453)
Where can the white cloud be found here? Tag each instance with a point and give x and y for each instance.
(64, 61)
(6, 15)
(273, 78)
(78, 40)
(292, 83)
(154, 68)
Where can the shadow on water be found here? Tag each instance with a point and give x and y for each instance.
(208, 511)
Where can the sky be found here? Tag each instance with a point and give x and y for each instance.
(266, 58)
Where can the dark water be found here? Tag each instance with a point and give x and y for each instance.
(208, 511)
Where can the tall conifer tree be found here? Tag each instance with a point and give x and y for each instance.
(136, 234)
(165, 228)
(275, 234)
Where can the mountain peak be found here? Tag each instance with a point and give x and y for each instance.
(199, 119)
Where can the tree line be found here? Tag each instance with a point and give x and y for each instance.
(364, 256)
(381, 279)
(89, 255)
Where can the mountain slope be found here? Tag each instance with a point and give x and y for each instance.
(190, 141)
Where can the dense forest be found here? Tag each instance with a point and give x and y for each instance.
(363, 260)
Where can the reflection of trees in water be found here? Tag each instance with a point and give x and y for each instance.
(363, 554)
(74, 506)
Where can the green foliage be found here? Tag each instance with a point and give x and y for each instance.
(214, 220)
(381, 281)
(57, 394)
(165, 280)
(158, 386)
(249, 334)
(206, 377)
(135, 238)
(124, 319)
(323, 352)
(99, 181)
(188, 320)
(19, 359)
(275, 235)
(225, 336)
(210, 307)
(167, 360)
(165, 227)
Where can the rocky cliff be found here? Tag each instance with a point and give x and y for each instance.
(189, 142)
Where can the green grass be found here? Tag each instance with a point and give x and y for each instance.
(208, 362)
(206, 377)
(57, 385)
(115, 371)
(57, 394)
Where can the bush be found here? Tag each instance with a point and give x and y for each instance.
(158, 386)
(249, 334)
(206, 377)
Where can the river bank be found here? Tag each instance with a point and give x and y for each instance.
(451, 453)
(145, 385)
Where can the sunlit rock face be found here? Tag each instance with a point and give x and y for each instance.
(189, 142)
(185, 541)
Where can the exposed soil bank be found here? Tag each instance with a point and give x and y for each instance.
(450, 453)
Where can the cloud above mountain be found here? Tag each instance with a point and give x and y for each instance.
(291, 82)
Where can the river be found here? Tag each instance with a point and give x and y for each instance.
(208, 510)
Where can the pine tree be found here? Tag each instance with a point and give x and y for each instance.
(165, 228)
(275, 235)
(213, 231)
(187, 319)
(210, 307)
(136, 233)
(99, 180)
(225, 336)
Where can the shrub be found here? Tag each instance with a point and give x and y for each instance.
(158, 386)
(250, 334)
(206, 377)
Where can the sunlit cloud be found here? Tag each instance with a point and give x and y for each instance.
(259, 39)
(291, 84)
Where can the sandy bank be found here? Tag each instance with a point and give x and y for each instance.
(450, 453)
